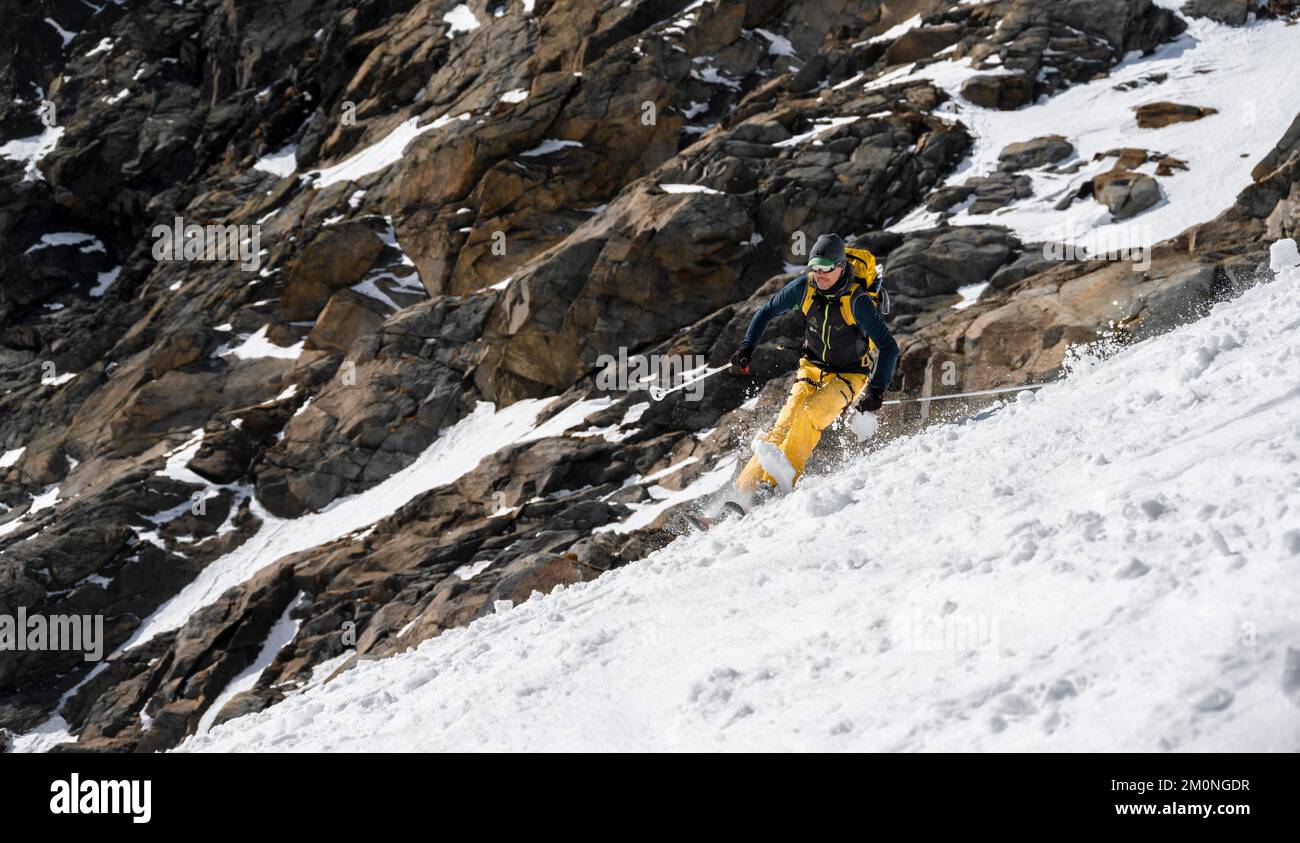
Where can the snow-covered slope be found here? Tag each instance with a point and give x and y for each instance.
(1211, 65)
(1109, 564)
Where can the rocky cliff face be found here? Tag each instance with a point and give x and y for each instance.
(448, 204)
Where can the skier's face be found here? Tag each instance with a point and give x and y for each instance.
(826, 280)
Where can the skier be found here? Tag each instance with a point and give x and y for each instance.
(845, 339)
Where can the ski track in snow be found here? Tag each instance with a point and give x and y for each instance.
(1111, 559)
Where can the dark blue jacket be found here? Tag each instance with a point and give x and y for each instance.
(864, 311)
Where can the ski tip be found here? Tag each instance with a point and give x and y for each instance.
(730, 510)
(695, 521)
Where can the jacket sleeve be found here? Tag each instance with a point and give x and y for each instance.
(873, 325)
(790, 297)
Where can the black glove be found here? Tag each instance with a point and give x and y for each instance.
(871, 401)
(740, 360)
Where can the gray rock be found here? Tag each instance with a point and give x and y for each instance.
(938, 261)
(1231, 12)
(997, 190)
(947, 198)
(879, 243)
(1126, 194)
(1031, 262)
(1034, 153)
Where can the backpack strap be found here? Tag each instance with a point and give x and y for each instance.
(846, 302)
(863, 266)
(857, 288)
(846, 305)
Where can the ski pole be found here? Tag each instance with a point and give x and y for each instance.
(970, 394)
(657, 393)
(865, 424)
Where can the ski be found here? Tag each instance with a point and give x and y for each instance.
(730, 510)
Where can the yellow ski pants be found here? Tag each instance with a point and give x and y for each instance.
(816, 400)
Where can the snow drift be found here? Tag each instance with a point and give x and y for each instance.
(1110, 564)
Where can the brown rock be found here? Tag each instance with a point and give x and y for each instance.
(177, 350)
(177, 402)
(1126, 158)
(1153, 115)
(922, 42)
(1003, 91)
(247, 702)
(1282, 150)
(346, 316)
(1166, 164)
(43, 463)
(655, 263)
(541, 572)
(338, 257)
(1284, 220)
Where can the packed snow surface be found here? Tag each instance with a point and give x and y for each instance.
(282, 162)
(1107, 564)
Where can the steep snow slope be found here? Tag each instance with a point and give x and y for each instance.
(456, 452)
(1109, 564)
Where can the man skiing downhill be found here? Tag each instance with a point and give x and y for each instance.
(845, 339)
